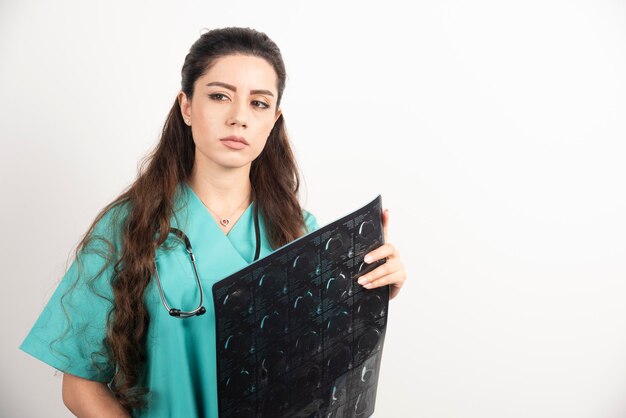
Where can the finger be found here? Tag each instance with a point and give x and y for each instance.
(378, 272)
(385, 219)
(385, 250)
(393, 278)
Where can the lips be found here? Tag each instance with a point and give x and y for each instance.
(235, 138)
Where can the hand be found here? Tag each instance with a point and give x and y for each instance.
(391, 273)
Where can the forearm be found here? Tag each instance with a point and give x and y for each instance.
(86, 398)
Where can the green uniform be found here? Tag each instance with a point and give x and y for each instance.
(181, 360)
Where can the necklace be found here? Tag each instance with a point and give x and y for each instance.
(225, 221)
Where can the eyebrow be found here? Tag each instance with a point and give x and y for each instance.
(233, 88)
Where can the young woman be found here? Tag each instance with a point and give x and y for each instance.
(223, 160)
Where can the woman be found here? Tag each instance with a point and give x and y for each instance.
(223, 158)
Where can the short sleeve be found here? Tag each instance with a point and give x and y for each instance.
(310, 221)
(69, 334)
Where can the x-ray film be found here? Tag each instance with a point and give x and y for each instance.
(297, 336)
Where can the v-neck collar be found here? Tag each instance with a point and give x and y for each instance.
(217, 254)
(198, 202)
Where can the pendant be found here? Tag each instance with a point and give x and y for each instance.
(224, 222)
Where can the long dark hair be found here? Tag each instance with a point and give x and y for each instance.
(275, 182)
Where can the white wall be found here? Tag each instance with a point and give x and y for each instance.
(494, 131)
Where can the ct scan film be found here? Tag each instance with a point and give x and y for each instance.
(297, 336)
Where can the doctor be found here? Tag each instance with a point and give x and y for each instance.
(222, 182)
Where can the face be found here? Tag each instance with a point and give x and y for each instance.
(237, 96)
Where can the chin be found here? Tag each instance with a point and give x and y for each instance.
(234, 162)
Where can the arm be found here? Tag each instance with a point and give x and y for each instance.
(69, 334)
(88, 398)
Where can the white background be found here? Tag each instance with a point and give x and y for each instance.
(494, 131)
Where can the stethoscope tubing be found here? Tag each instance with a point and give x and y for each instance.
(200, 310)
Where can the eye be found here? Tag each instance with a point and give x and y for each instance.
(217, 96)
(263, 104)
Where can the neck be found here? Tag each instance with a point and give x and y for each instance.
(222, 189)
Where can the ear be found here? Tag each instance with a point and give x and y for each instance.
(185, 106)
(278, 113)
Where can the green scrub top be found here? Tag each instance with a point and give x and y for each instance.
(181, 355)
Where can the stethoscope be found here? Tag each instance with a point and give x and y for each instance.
(177, 313)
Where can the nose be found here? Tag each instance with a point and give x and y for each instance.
(238, 115)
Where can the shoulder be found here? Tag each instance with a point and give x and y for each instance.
(310, 221)
(113, 218)
(110, 227)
